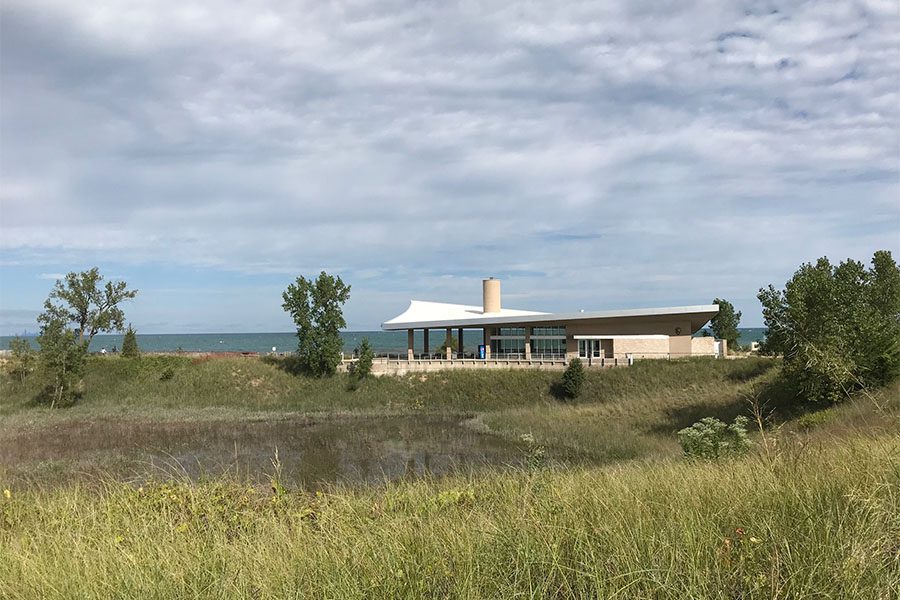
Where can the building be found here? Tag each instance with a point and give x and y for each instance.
(596, 337)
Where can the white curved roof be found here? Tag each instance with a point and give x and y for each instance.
(435, 315)
(421, 314)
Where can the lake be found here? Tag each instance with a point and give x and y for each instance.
(382, 341)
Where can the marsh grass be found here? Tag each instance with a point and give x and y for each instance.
(621, 414)
(817, 515)
(799, 525)
(115, 385)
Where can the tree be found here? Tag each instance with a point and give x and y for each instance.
(365, 359)
(22, 358)
(449, 340)
(62, 359)
(82, 299)
(129, 344)
(725, 324)
(838, 327)
(316, 308)
(573, 378)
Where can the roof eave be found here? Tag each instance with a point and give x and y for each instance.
(697, 311)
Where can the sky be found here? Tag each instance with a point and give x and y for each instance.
(592, 155)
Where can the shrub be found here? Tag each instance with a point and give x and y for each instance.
(167, 374)
(363, 366)
(535, 454)
(22, 358)
(710, 438)
(129, 344)
(573, 379)
(813, 420)
(62, 363)
(449, 340)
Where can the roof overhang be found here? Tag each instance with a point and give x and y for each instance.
(435, 315)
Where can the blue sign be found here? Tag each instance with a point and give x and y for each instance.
(481, 352)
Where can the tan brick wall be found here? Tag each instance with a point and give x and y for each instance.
(641, 348)
(679, 346)
(703, 346)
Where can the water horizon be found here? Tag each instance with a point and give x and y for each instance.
(262, 342)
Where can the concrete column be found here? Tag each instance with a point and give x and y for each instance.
(528, 343)
(449, 348)
(462, 348)
(487, 342)
(427, 344)
(410, 350)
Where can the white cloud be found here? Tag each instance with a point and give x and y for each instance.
(716, 141)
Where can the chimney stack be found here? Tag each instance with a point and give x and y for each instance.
(491, 289)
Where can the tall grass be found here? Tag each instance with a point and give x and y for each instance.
(799, 525)
(114, 385)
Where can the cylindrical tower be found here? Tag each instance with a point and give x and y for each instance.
(491, 289)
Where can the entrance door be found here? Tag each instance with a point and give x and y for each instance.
(589, 350)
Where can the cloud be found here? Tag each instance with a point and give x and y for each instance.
(51, 276)
(603, 154)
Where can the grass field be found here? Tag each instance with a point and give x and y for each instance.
(804, 523)
(812, 512)
(638, 409)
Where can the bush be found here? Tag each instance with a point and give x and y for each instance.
(62, 360)
(573, 379)
(363, 366)
(811, 421)
(22, 358)
(710, 438)
(450, 341)
(129, 344)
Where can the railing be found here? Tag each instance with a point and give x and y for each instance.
(619, 360)
(468, 358)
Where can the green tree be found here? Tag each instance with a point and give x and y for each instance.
(838, 327)
(83, 300)
(366, 356)
(62, 359)
(129, 344)
(573, 378)
(725, 324)
(317, 310)
(21, 358)
(449, 340)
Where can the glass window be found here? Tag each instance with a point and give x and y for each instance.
(547, 331)
(512, 331)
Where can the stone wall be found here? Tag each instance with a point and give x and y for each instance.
(641, 347)
(703, 346)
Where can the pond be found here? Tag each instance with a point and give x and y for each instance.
(308, 452)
